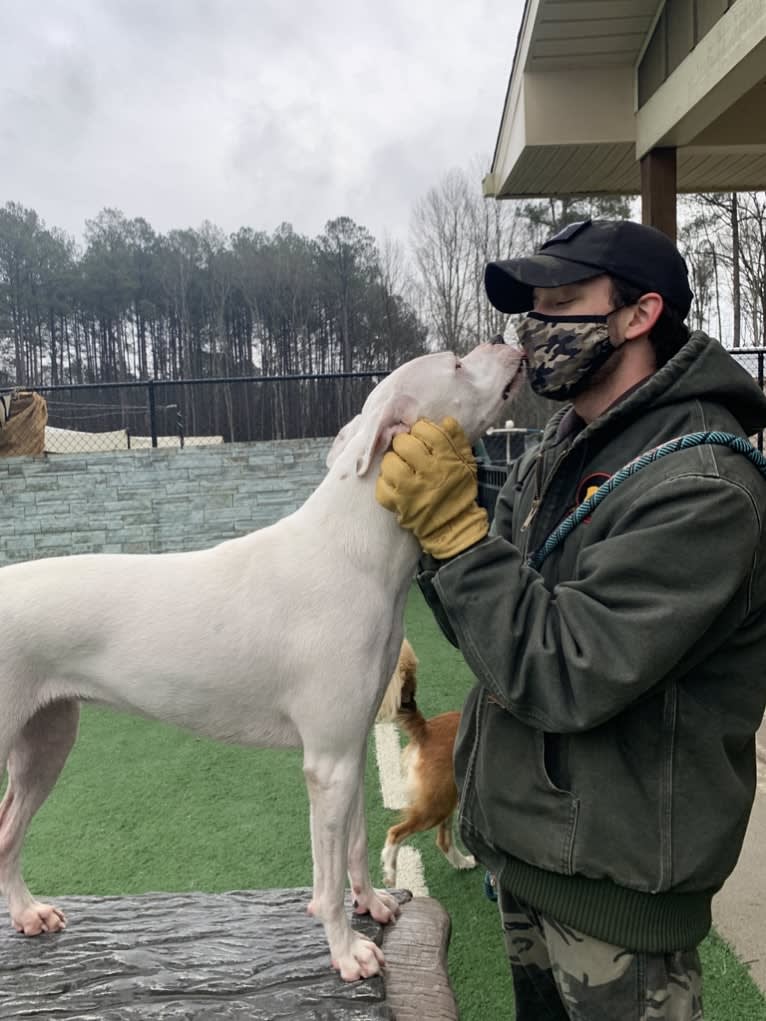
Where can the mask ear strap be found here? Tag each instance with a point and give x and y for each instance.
(541, 317)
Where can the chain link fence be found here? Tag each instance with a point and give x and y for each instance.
(753, 360)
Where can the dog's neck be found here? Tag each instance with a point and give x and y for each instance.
(345, 504)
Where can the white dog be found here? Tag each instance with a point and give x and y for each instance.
(239, 642)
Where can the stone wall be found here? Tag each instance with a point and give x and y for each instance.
(151, 501)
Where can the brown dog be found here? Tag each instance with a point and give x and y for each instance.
(427, 764)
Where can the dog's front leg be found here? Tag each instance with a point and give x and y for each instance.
(382, 906)
(332, 784)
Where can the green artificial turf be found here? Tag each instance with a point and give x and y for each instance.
(142, 807)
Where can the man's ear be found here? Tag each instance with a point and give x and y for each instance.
(644, 314)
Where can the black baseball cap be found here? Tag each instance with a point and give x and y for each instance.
(637, 254)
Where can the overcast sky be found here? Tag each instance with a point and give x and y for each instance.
(246, 112)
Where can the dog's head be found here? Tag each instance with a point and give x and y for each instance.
(474, 390)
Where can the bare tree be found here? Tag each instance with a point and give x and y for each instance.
(441, 245)
(695, 240)
(545, 217)
(736, 232)
(455, 232)
(497, 232)
(752, 247)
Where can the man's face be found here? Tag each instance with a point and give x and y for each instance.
(588, 297)
(591, 297)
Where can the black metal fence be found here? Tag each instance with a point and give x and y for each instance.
(152, 413)
(754, 360)
(159, 413)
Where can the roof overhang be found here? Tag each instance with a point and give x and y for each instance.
(572, 123)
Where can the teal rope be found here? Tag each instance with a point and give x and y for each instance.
(559, 534)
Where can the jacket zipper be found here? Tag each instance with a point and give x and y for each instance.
(540, 496)
(536, 498)
(481, 709)
(532, 511)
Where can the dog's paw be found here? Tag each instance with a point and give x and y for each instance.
(39, 918)
(460, 861)
(381, 906)
(363, 960)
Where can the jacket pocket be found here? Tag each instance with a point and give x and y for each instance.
(622, 773)
(508, 800)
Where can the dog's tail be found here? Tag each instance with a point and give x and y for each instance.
(399, 705)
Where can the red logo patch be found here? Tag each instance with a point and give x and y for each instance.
(587, 487)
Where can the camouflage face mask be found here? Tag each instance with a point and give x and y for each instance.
(563, 352)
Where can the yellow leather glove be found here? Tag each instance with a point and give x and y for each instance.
(429, 481)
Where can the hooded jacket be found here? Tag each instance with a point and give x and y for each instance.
(606, 755)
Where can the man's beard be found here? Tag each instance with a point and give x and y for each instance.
(607, 370)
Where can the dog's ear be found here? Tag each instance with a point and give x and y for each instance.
(339, 443)
(379, 426)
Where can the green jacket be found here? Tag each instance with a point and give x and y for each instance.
(606, 755)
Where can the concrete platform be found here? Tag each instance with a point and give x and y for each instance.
(739, 910)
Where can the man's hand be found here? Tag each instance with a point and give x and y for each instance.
(429, 481)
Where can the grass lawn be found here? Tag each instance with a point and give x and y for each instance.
(142, 807)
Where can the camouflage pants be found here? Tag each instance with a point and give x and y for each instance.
(562, 975)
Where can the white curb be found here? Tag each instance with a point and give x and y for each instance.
(409, 868)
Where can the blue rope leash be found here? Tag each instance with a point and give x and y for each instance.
(559, 534)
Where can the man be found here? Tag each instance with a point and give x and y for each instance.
(606, 755)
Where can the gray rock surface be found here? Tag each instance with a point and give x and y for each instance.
(252, 954)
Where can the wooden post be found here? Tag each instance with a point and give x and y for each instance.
(658, 190)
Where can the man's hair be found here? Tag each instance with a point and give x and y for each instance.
(669, 333)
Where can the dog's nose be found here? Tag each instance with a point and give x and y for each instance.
(498, 339)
